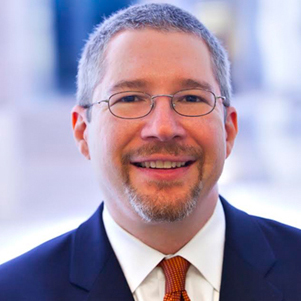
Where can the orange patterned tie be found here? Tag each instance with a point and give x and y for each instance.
(175, 270)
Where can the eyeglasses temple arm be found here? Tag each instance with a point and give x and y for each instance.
(224, 100)
(89, 105)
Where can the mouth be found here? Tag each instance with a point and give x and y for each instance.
(159, 164)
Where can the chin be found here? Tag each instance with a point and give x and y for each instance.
(164, 206)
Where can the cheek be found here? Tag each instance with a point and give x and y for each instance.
(106, 145)
(110, 139)
(104, 156)
(213, 142)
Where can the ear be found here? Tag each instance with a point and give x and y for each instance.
(231, 129)
(80, 130)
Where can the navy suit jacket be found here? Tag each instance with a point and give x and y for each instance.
(262, 262)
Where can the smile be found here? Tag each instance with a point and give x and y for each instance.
(162, 164)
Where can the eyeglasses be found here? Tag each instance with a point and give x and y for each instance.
(134, 105)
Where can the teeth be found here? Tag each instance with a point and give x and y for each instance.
(152, 164)
(159, 164)
(162, 164)
(167, 164)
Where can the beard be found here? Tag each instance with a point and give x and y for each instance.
(162, 206)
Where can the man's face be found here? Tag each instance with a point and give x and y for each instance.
(129, 155)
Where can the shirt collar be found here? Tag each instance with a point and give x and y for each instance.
(204, 251)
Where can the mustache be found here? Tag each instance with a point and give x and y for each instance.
(163, 148)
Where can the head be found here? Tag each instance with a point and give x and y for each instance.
(163, 167)
(161, 17)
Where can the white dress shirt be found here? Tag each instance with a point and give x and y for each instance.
(146, 280)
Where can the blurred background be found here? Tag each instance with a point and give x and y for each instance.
(47, 187)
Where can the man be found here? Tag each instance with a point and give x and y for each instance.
(155, 120)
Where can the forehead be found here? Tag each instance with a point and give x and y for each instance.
(157, 59)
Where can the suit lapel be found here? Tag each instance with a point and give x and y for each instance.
(110, 284)
(248, 260)
(94, 266)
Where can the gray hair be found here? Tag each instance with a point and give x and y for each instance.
(158, 16)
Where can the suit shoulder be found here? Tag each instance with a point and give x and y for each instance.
(248, 230)
(48, 261)
(242, 223)
(278, 229)
(285, 239)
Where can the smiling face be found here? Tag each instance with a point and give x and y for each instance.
(162, 167)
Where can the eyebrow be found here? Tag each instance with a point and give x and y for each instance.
(140, 84)
(129, 84)
(192, 83)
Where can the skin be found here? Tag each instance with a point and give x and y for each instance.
(157, 63)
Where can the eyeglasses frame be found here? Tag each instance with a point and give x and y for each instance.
(152, 98)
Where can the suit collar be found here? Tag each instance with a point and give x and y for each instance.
(248, 260)
(94, 266)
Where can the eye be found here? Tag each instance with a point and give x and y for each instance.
(129, 98)
(190, 98)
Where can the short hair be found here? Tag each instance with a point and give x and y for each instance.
(157, 16)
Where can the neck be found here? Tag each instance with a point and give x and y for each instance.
(169, 237)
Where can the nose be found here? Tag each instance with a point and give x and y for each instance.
(163, 123)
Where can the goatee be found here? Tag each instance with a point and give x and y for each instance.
(162, 206)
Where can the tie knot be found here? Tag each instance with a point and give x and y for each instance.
(175, 270)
